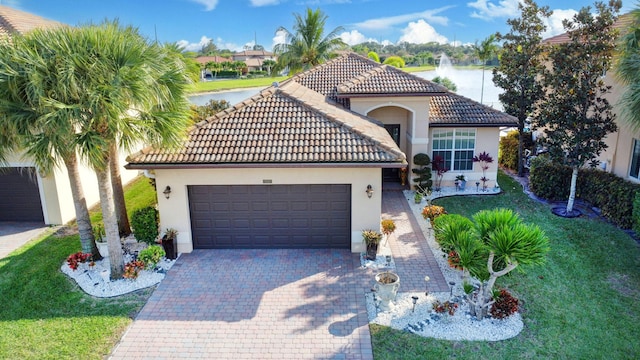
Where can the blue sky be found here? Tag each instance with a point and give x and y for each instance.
(233, 24)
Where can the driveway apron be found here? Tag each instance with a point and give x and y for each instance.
(255, 304)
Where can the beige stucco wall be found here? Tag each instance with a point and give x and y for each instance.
(410, 112)
(55, 189)
(487, 140)
(174, 212)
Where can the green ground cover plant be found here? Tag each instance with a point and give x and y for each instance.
(581, 304)
(45, 315)
(234, 84)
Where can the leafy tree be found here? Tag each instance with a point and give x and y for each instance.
(395, 61)
(214, 67)
(493, 245)
(423, 172)
(307, 46)
(627, 70)
(446, 82)
(238, 66)
(575, 114)
(484, 52)
(521, 62)
(213, 107)
(425, 58)
(373, 56)
(209, 49)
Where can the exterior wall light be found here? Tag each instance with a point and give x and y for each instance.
(167, 192)
(369, 191)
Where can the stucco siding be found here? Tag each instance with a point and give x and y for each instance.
(174, 212)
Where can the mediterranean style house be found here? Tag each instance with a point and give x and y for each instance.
(303, 163)
(27, 194)
(622, 157)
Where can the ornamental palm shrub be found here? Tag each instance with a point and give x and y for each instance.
(496, 243)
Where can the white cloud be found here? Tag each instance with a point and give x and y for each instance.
(386, 42)
(354, 37)
(554, 22)
(487, 10)
(384, 23)
(221, 44)
(208, 4)
(194, 46)
(420, 32)
(279, 38)
(258, 3)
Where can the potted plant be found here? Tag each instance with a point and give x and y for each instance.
(101, 242)
(387, 284)
(371, 239)
(462, 182)
(417, 197)
(168, 242)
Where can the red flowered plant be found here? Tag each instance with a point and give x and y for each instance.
(454, 260)
(75, 259)
(132, 269)
(505, 305)
(445, 307)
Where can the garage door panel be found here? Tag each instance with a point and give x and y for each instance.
(272, 216)
(19, 195)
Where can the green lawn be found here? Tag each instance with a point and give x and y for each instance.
(582, 304)
(233, 84)
(45, 315)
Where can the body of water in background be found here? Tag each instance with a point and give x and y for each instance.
(469, 83)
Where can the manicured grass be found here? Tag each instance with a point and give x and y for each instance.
(231, 84)
(137, 194)
(45, 315)
(582, 304)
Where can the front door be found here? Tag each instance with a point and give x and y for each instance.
(394, 173)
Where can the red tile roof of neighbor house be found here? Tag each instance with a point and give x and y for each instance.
(207, 59)
(15, 21)
(300, 122)
(621, 23)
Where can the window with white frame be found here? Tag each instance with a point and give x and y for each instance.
(634, 170)
(455, 146)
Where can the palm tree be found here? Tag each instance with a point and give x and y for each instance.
(627, 70)
(307, 46)
(34, 87)
(269, 64)
(102, 87)
(484, 52)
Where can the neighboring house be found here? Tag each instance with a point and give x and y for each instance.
(622, 157)
(25, 193)
(204, 60)
(291, 166)
(254, 58)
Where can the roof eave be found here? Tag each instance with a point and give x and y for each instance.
(363, 95)
(149, 166)
(459, 124)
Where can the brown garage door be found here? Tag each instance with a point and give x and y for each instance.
(19, 195)
(270, 216)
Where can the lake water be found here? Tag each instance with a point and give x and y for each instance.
(468, 82)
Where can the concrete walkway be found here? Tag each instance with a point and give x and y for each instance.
(15, 234)
(274, 304)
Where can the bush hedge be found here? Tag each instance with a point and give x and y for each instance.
(144, 222)
(508, 154)
(612, 194)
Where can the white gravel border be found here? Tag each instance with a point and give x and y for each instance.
(423, 320)
(95, 281)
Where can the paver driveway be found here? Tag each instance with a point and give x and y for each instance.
(257, 304)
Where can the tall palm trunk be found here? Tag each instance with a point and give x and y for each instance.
(87, 240)
(124, 229)
(110, 224)
(482, 85)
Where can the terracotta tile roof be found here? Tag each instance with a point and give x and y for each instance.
(621, 23)
(385, 80)
(286, 124)
(456, 110)
(326, 78)
(217, 59)
(261, 53)
(15, 21)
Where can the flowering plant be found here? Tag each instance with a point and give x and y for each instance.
(388, 226)
(74, 259)
(454, 260)
(447, 306)
(431, 212)
(132, 269)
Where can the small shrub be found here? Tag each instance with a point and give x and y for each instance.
(151, 256)
(388, 226)
(636, 213)
(508, 150)
(371, 237)
(145, 224)
(505, 305)
(132, 269)
(75, 259)
(445, 307)
(448, 229)
(431, 212)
